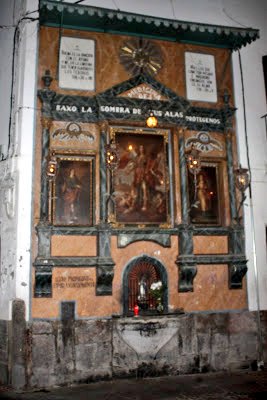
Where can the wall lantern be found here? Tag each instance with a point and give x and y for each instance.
(112, 159)
(242, 181)
(52, 166)
(151, 120)
(47, 79)
(242, 178)
(111, 156)
(193, 160)
(194, 167)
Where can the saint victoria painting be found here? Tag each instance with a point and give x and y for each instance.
(203, 195)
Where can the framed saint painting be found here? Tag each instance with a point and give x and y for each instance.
(72, 199)
(141, 180)
(204, 195)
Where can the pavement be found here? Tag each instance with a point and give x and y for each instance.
(238, 385)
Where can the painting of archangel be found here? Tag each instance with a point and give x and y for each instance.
(141, 179)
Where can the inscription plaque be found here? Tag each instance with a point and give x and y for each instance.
(200, 77)
(77, 63)
(71, 282)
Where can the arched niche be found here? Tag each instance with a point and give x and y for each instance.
(138, 276)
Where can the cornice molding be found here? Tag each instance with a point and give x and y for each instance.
(66, 15)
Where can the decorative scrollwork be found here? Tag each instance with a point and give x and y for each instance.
(203, 142)
(73, 131)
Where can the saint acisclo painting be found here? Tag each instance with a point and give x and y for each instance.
(73, 193)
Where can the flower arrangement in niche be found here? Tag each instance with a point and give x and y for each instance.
(156, 291)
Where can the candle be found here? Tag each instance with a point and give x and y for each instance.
(136, 310)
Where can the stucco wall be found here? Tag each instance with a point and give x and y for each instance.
(211, 279)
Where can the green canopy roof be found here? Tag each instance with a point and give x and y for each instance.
(53, 13)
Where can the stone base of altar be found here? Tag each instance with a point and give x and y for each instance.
(69, 351)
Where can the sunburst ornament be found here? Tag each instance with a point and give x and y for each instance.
(138, 55)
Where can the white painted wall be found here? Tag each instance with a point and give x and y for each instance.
(16, 171)
(8, 18)
(25, 123)
(6, 37)
(255, 104)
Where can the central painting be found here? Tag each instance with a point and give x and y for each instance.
(141, 180)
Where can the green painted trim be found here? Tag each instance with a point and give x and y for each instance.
(105, 20)
(207, 44)
(168, 39)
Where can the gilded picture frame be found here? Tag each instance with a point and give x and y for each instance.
(141, 179)
(73, 191)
